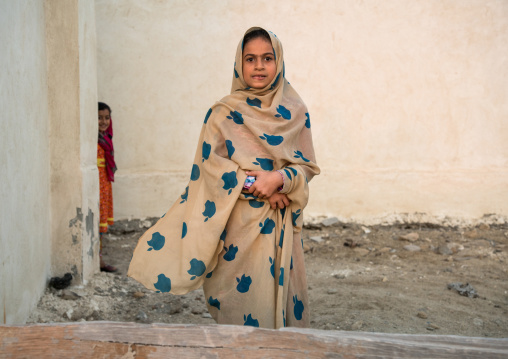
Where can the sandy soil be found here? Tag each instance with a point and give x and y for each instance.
(391, 279)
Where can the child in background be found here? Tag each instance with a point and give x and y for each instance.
(107, 168)
(241, 238)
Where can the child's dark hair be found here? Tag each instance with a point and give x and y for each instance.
(103, 106)
(254, 35)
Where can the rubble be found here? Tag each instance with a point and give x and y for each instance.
(365, 278)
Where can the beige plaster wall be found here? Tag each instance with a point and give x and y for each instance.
(408, 99)
(70, 30)
(48, 135)
(24, 160)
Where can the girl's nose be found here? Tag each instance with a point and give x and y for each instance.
(259, 64)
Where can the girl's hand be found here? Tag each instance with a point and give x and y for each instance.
(266, 183)
(278, 200)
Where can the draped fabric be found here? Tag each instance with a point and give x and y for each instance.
(248, 256)
(106, 142)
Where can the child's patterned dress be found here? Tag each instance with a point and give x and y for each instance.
(106, 193)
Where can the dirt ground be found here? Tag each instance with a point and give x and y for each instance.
(392, 279)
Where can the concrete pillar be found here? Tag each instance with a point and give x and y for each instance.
(72, 98)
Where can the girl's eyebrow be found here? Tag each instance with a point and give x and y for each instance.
(266, 53)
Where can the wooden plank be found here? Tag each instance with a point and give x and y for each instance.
(132, 340)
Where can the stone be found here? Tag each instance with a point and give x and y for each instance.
(123, 227)
(138, 295)
(175, 308)
(481, 243)
(145, 224)
(351, 243)
(197, 310)
(82, 312)
(329, 326)
(484, 227)
(317, 239)
(432, 327)
(142, 317)
(306, 248)
(327, 222)
(385, 250)
(357, 325)
(471, 234)
(310, 225)
(366, 230)
(465, 290)
(444, 250)
(411, 237)
(422, 315)
(361, 251)
(93, 316)
(455, 247)
(206, 315)
(412, 248)
(332, 291)
(478, 322)
(69, 295)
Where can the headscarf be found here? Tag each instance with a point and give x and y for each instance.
(106, 142)
(250, 129)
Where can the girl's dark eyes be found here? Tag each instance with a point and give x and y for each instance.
(268, 58)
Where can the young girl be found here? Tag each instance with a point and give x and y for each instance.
(243, 246)
(107, 168)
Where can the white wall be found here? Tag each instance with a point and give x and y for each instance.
(48, 149)
(408, 99)
(24, 159)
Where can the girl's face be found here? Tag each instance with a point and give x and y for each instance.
(104, 120)
(258, 63)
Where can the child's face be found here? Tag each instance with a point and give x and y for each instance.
(258, 63)
(104, 120)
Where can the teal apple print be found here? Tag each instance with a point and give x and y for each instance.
(157, 241)
(209, 210)
(163, 284)
(197, 268)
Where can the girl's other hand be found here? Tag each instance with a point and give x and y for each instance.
(278, 200)
(266, 183)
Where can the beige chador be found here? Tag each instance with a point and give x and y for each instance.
(247, 256)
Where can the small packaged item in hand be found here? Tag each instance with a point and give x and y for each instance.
(248, 182)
